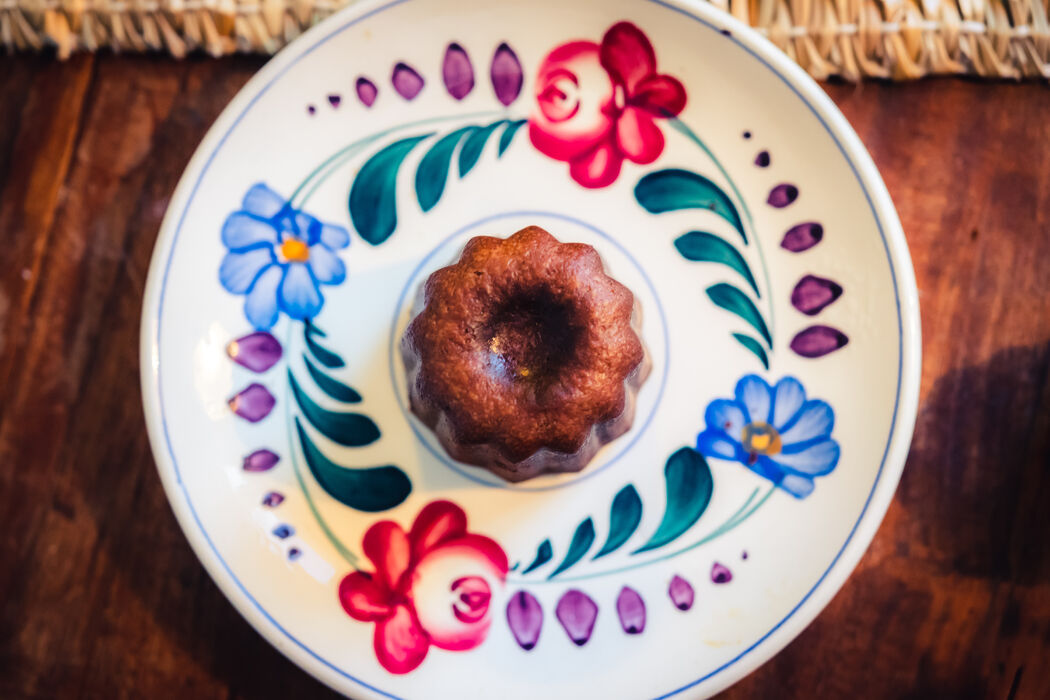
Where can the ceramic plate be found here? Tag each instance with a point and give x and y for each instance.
(718, 183)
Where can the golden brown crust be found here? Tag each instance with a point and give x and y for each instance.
(524, 358)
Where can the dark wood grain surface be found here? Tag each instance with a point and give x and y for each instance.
(101, 597)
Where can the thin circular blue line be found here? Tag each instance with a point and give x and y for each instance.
(465, 471)
(222, 142)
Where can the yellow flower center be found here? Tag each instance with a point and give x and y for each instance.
(294, 250)
(760, 439)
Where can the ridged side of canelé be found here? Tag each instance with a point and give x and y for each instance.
(462, 386)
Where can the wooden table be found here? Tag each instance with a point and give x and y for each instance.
(101, 597)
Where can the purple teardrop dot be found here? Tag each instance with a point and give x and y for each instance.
(782, 195)
(273, 499)
(525, 617)
(311, 110)
(812, 294)
(366, 91)
(283, 532)
(747, 134)
(817, 341)
(576, 612)
(257, 351)
(681, 592)
(802, 237)
(720, 573)
(457, 72)
(406, 81)
(260, 461)
(506, 74)
(743, 555)
(253, 404)
(762, 160)
(334, 100)
(631, 609)
(294, 553)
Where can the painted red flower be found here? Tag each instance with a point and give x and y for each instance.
(597, 105)
(431, 586)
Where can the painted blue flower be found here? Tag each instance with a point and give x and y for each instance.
(279, 258)
(773, 431)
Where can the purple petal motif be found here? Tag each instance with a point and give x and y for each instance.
(525, 617)
(283, 532)
(253, 404)
(577, 613)
(782, 195)
(366, 91)
(334, 100)
(762, 159)
(261, 461)
(631, 609)
(720, 573)
(682, 594)
(257, 351)
(457, 72)
(406, 81)
(273, 499)
(812, 294)
(506, 74)
(817, 341)
(802, 237)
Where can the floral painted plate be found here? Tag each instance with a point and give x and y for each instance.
(718, 183)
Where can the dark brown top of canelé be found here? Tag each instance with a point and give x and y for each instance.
(525, 343)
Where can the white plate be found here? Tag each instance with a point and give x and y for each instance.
(753, 228)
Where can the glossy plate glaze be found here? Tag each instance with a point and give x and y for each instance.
(718, 183)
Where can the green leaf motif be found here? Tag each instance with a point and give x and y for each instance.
(754, 346)
(544, 553)
(325, 356)
(624, 516)
(582, 540)
(433, 168)
(373, 196)
(689, 488)
(474, 145)
(674, 189)
(349, 429)
(734, 301)
(701, 246)
(369, 489)
(508, 135)
(333, 387)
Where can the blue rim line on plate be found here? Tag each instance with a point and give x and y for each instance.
(673, 8)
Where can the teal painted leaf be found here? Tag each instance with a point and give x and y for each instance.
(350, 429)
(369, 489)
(734, 301)
(689, 487)
(582, 540)
(544, 553)
(700, 246)
(311, 329)
(474, 145)
(325, 356)
(333, 387)
(671, 190)
(624, 516)
(373, 196)
(433, 168)
(508, 135)
(754, 346)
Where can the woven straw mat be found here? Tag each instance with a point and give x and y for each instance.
(852, 39)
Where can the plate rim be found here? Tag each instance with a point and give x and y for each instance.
(901, 269)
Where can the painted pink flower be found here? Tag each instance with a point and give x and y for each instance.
(431, 586)
(597, 105)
